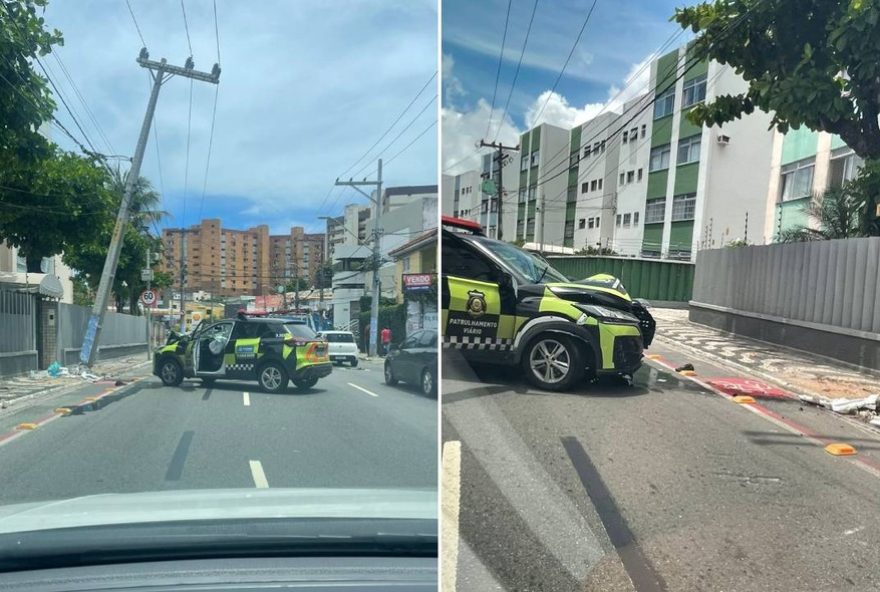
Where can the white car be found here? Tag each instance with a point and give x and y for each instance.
(342, 346)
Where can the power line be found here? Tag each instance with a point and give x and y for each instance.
(397, 137)
(498, 71)
(518, 64)
(82, 100)
(216, 31)
(186, 27)
(425, 131)
(568, 59)
(136, 26)
(210, 146)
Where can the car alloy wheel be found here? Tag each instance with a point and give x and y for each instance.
(272, 378)
(171, 373)
(389, 375)
(550, 361)
(427, 382)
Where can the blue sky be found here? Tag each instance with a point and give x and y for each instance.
(307, 87)
(619, 37)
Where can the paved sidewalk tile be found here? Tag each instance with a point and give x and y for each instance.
(798, 371)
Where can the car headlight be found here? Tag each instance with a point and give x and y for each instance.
(607, 314)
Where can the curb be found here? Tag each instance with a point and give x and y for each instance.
(58, 390)
(761, 374)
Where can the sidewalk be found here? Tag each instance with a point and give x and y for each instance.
(16, 388)
(800, 372)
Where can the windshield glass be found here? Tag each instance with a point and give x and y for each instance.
(533, 268)
(300, 330)
(339, 337)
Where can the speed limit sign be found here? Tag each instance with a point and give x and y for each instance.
(148, 297)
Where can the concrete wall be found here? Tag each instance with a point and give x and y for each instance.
(818, 296)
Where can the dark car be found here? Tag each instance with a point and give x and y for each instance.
(414, 361)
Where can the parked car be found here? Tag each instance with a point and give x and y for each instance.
(342, 346)
(414, 361)
(271, 351)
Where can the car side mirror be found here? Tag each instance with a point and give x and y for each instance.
(505, 280)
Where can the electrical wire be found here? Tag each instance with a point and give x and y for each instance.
(186, 27)
(210, 146)
(82, 100)
(216, 31)
(404, 149)
(136, 26)
(498, 71)
(567, 60)
(518, 64)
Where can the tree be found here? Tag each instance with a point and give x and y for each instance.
(837, 214)
(812, 63)
(297, 283)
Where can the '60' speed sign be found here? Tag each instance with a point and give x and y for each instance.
(148, 297)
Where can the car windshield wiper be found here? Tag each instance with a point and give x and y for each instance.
(543, 273)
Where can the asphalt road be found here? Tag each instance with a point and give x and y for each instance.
(663, 485)
(350, 430)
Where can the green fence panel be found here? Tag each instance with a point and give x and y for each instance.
(652, 279)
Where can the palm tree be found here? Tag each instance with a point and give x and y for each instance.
(838, 214)
(144, 209)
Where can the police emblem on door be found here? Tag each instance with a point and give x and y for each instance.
(476, 304)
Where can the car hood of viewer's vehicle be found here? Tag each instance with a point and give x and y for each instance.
(217, 504)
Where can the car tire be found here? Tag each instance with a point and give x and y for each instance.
(304, 383)
(354, 362)
(389, 375)
(553, 362)
(428, 383)
(272, 377)
(171, 372)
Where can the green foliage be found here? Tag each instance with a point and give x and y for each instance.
(82, 293)
(739, 242)
(295, 284)
(838, 214)
(808, 62)
(393, 317)
(600, 251)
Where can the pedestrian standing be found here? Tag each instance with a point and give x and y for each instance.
(386, 340)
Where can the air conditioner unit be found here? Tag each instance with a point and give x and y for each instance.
(723, 140)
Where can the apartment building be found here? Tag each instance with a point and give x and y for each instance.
(804, 165)
(227, 262)
(350, 228)
(543, 177)
(48, 276)
(461, 195)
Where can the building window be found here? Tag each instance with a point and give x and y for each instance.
(655, 210)
(797, 180)
(591, 223)
(639, 175)
(665, 103)
(573, 160)
(626, 220)
(844, 166)
(635, 218)
(621, 178)
(618, 220)
(535, 156)
(582, 223)
(659, 158)
(602, 146)
(630, 176)
(694, 91)
(644, 130)
(524, 163)
(684, 207)
(533, 192)
(585, 186)
(593, 185)
(689, 150)
(522, 195)
(625, 137)
(597, 221)
(600, 184)
(634, 133)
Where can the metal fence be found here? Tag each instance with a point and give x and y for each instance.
(121, 334)
(652, 279)
(18, 351)
(833, 283)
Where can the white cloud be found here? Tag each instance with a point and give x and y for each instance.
(463, 129)
(452, 87)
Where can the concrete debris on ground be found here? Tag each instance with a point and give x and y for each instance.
(816, 379)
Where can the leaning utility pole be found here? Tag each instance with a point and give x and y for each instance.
(161, 71)
(500, 159)
(377, 232)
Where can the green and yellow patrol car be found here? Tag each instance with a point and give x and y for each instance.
(503, 305)
(271, 351)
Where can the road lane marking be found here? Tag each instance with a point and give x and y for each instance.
(258, 474)
(451, 495)
(360, 388)
(175, 468)
(247, 399)
(639, 568)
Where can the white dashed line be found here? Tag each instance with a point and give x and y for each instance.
(258, 475)
(451, 486)
(360, 388)
(247, 399)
